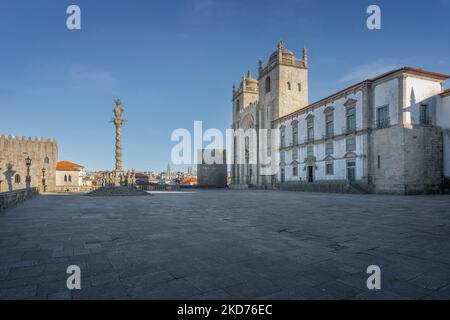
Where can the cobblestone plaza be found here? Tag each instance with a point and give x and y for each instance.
(224, 244)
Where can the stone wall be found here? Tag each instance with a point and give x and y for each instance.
(13, 170)
(407, 160)
(423, 159)
(12, 198)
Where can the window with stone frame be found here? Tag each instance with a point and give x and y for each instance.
(350, 114)
(289, 85)
(350, 144)
(295, 170)
(310, 128)
(329, 148)
(17, 178)
(383, 117)
(283, 137)
(329, 124)
(295, 133)
(310, 151)
(425, 114)
(282, 174)
(329, 168)
(299, 85)
(295, 154)
(282, 156)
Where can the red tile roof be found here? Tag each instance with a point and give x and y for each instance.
(68, 166)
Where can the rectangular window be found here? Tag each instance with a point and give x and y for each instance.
(282, 156)
(383, 117)
(329, 170)
(329, 125)
(379, 162)
(295, 134)
(295, 171)
(350, 144)
(310, 131)
(424, 114)
(295, 154)
(283, 137)
(350, 113)
(329, 148)
(310, 151)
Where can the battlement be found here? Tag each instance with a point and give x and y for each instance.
(11, 138)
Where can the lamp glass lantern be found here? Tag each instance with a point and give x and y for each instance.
(28, 163)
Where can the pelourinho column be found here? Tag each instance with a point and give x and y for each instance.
(118, 122)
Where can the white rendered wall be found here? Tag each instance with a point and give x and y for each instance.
(387, 93)
(340, 163)
(420, 91)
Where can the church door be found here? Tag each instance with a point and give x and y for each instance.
(351, 170)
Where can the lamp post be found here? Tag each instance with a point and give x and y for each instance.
(44, 187)
(28, 164)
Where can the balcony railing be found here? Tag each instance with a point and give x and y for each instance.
(309, 139)
(382, 123)
(349, 130)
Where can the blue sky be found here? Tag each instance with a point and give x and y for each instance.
(173, 62)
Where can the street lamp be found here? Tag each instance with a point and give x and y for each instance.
(28, 164)
(44, 187)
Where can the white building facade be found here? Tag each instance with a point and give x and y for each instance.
(70, 177)
(389, 134)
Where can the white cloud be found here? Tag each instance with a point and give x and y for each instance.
(370, 70)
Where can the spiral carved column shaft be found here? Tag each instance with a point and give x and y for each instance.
(118, 124)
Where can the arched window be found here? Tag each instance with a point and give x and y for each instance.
(70, 178)
(17, 178)
(46, 160)
(289, 86)
(267, 84)
(65, 178)
(299, 87)
(237, 105)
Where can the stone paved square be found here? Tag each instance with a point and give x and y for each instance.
(225, 244)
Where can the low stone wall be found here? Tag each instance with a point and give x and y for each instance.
(160, 188)
(68, 189)
(335, 186)
(12, 198)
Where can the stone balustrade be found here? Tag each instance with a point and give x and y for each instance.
(12, 198)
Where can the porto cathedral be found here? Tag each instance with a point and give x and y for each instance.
(387, 134)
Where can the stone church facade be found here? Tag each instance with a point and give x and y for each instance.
(388, 134)
(13, 169)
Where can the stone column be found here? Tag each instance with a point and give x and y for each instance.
(118, 122)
